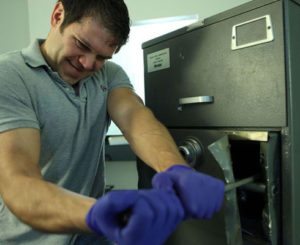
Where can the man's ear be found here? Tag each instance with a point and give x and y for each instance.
(57, 15)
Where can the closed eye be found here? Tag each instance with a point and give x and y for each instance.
(81, 45)
(85, 47)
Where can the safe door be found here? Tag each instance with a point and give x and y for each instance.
(248, 163)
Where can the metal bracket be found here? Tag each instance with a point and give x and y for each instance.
(269, 33)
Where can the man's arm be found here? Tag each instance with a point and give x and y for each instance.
(148, 138)
(36, 202)
(200, 194)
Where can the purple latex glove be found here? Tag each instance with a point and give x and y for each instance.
(130, 217)
(201, 195)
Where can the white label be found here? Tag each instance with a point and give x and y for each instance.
(158, 60)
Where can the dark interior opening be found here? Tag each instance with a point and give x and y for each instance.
(247, 161)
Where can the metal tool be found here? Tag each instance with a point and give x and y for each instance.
(239, 183)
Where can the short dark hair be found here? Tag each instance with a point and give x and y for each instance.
(113, 14)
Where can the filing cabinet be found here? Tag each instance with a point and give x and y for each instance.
(232, 81)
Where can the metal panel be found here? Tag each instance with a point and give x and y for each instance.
(208, 86)
(291, 143)
(243, 156)
(212, 19)
(247, 85)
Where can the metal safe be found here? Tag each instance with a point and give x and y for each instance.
(226, 88)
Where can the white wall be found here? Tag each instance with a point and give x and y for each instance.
(21, 21)
(145, 9)
(14, 25)
(40, 10)
(39, 17)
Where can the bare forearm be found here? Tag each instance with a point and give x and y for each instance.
(47, 207)
(152, 142)
(148, 138)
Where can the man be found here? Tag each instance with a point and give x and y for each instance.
(57, 98)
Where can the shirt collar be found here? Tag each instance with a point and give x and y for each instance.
(33, 55)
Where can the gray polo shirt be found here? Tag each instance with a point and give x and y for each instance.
(72, 128)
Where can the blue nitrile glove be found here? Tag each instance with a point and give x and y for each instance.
(201, 195)
(136, 217)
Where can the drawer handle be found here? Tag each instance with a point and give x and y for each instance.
(196, 100)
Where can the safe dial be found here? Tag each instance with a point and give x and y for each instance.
(191, 150)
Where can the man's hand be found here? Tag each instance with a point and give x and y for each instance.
(201, 195)
(136, 216)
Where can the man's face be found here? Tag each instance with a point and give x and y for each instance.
(79, 50)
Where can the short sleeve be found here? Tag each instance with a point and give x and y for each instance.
(116, 76)
(16, 110)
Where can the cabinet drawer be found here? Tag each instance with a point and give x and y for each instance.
(199, 80)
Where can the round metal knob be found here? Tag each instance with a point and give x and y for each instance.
(191, 150)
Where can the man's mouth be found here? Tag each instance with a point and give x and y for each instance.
(77, 68)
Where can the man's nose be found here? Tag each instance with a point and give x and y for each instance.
(88, 62)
